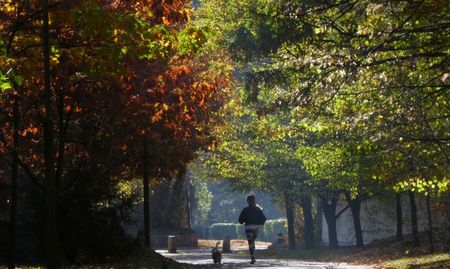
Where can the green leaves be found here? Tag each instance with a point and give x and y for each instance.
(354, 93)
(18, 80)
(249, 29)
(157, 43)
(4, 85)
(424, 186)
(368, 75)
(8, 80)
(2, 48)
(191, 39)
(120, 34)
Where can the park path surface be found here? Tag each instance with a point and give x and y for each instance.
(238, 260)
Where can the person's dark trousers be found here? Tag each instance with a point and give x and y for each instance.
(251, 237)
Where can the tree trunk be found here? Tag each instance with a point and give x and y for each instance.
(159, 200)
(309, 227)
(145, 182)
(188, 203)
(14, 176)
(415, 233)
(430, 225)
(355, 207)
(329, 211)
(319, 221)
(176, 201)
(398, 210)
(290, 220)
(62, 130)
(51, 231)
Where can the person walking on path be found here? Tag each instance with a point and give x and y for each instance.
(253, 217)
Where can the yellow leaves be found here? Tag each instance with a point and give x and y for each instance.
(187, 12)
(423, 185)
(363, 30)
(8, 7)
(320, 29)
(54, 58)
(115, 35)
(161, 108)
(125, 189)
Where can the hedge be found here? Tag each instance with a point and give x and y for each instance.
(201, 231)
(268, 232)
(272, 228)
(220, 230)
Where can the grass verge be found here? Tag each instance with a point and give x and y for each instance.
(387, 253)
(430, 261)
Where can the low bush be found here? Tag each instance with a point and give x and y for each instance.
(201, 231)
(268, 232)
(272, 228)
(241, 232)
(220, 230)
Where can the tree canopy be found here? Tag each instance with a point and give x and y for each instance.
(119, 73)
(362, 85)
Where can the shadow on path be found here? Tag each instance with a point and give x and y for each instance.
(237, 260)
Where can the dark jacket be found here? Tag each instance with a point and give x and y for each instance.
(252, 215)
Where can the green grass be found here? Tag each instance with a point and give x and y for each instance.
(430, 261)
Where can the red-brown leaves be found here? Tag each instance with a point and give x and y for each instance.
(109, 96)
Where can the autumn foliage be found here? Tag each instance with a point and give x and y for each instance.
(121, 72)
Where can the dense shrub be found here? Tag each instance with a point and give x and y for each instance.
(271, 229)
(220, 230)
(92, 208)
(241, 232)
(268, 232)
(201, 231)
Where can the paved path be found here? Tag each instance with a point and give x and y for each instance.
(233, 260)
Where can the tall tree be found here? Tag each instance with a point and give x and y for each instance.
(414, 227)
(51, 228)
(119, 72)
(399, 216)
(329, 211)
(14, 179)
(146, 185)
(367, 81)
(308, 233)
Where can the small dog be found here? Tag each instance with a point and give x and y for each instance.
(216, 254)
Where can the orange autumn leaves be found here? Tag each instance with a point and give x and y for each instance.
(116, 76)
(180, 104)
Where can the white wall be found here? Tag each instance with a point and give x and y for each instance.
(377, 220)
